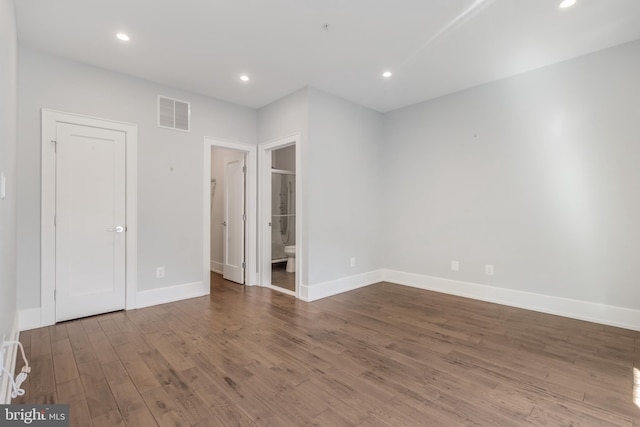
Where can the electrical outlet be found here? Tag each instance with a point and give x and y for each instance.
(488, 269)
(455, 265)
(159, 272)
(353, 261)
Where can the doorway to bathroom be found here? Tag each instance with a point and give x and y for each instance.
(283, 218)
(280, 219)
(229, 228)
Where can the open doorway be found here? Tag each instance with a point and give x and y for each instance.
(280, 215)
(229, 226)
(283, 217)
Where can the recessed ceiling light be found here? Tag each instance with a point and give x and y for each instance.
(387, 74)
(123, 37)
(244, 78)
(567, 3)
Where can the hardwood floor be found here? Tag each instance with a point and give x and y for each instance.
(384, 355)
(282, 279)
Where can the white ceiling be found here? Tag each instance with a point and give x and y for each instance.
(433, 47)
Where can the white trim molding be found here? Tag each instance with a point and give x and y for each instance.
(174, 293)
(9, 359)
(582, 310)
(50, 118)
(216, 267)
(30, 318)
(338, 286)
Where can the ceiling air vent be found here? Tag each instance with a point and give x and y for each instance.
(173, 114)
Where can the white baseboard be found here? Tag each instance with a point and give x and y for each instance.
(216, 267)
(30, 318)
(566, 307)
(9, 358)
(170, 294)
(338, 286)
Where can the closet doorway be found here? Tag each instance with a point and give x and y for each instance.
(229, 214)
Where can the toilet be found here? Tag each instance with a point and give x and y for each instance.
(290, 252)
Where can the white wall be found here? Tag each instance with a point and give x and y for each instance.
(340, 179)
(170, 163)
(536, 174)
(344, 188)
(8, 141)
(219, 158)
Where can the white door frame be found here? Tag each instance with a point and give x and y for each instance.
(50, 118)
(264, 190)
(251, 209)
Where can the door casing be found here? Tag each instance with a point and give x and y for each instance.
(50, 119)
(264, 189)
(251, 163)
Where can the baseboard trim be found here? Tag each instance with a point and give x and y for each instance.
(334, 287)
(582, 310)
(30, 318)
(10, 361)
(170, 294)
(215, 266)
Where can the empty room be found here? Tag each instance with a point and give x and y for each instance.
(320, 213)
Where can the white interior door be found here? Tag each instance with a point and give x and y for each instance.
(90, 221)
(234, 220)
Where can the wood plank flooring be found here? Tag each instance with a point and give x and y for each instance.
(282, 279)
(384, 355)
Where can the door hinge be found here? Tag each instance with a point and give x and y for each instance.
(244, 265)
(244, 169)
(55, 146)
(244, 217)
(55, 294)
(54, 221)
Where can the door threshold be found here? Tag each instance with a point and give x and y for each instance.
(282, 290)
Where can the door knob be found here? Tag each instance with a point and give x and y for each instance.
(118, 229)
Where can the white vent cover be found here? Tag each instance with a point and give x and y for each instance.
(173, 114)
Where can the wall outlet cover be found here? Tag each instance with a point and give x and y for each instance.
(488, 269)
